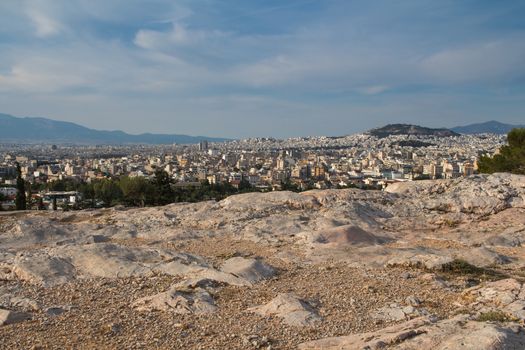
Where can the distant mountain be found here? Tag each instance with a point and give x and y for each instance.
(408, 129)
(37, 130)
(490, 127)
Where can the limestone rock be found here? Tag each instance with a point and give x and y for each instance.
(252, 270)
(195, 301)
(58, 310)
(482, 257)
(390, 313)
(9, 317)
(425, 333)
(290, 308)
(428, 261)
(41, 268)
(112, 260)
(24, 304)
(506, 295)
(219, 276)
(346, 235)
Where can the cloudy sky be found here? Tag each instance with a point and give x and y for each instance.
(239, 68)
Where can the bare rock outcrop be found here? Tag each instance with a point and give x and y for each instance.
(292, 310)
(362, 255)
(426, 333)
(342, 236)
(507, 296)
(252, 270)
(194, 301)
(429, 261)
(482, 257)
(42, 268)
(478, 194)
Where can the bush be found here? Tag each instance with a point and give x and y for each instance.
(493, 316)
(461, 267)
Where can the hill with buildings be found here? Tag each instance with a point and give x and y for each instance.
(408, 129)
(490, 127)
(43, 130)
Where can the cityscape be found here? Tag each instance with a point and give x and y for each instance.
(260, 164)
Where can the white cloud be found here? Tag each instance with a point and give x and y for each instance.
(38, 76)
(492, 62)
(270, 72)
(45, 26)
(177, 36)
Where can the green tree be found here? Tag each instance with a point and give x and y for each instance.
(20, 200)
(87, 190)
(289, 186)
(511, 157)
(108, 191)
(136, 191)
(162, 186)
(64, 185)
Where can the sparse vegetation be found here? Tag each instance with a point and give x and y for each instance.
(494, 316)
(461, 267)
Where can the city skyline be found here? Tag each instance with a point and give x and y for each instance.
(236, 69)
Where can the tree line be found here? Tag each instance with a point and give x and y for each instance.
(161, 189)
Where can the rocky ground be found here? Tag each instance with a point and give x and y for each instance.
(436, 264)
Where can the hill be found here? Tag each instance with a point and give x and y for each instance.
(490, 127)
(408, 129)
(37, 130)
(422, 265)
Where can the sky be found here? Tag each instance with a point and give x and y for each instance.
(247, 68)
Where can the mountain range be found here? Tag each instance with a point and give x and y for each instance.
(490, 127)
(37, 130)
(43, 130)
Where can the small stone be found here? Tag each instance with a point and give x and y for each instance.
(413, 301)
(114, 328)
(406, 275)
(10, 317)
(409, 310)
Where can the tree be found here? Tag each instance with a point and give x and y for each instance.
(64, 185)
(87, 191)
(245, 186)
(107, 191)
(162, 186)
(289, 186)
(20, 200)
(29, 195)
(511, 158)
(136, 191)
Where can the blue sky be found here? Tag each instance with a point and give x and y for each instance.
(241, 68)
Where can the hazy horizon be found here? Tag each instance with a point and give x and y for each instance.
(242, 69)
(266, 136)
